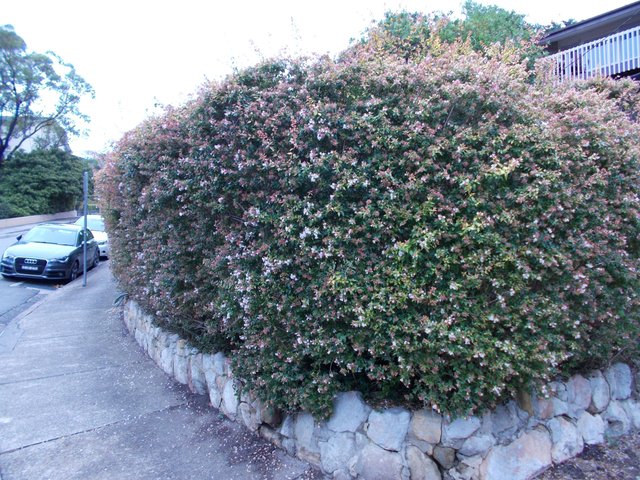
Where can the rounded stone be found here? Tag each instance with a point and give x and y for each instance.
(426, 426)
(617, 422)
(421, 467)
(619, 378)
(248, 415)
(503, 422)
(456, 432)
(632, 409)
(337, 451)
(521, 460)
(303, 430)
(230, 398)
(388, 428)
(567, 441)
(600, 392)
(578, 393)
(591, 427)
(375, 463)
(477, 445)
(445, 456)
(349, 412)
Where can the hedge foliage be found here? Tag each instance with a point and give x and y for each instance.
(438, 230)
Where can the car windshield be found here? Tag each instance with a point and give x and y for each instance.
(95, 224)
(58, 236)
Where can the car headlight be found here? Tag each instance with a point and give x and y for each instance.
(102, 242)
(60, 259)
(8, 257)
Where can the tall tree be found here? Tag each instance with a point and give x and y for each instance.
(414, 34)
(487, 24)
(49, 180)
(39, 94)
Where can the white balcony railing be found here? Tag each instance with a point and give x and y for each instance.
(612, 55)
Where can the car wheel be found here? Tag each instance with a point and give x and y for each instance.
(96, 258)
(75, 269)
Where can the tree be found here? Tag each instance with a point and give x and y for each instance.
(414, 34)
(50, 181)
(487, 24)
(39, 94)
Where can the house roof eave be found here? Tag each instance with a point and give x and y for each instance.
(616, 17)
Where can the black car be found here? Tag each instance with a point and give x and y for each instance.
(50, 251)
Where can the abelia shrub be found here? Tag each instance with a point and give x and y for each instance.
(440, 231)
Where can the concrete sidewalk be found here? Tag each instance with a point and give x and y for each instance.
(80, 400)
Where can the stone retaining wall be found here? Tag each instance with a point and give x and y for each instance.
(516, 441)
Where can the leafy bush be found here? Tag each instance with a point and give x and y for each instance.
(439, 231)
(40, 182)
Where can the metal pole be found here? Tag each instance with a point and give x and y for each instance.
(84, 233)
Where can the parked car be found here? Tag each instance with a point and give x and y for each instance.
(50, 251)
(95, 223)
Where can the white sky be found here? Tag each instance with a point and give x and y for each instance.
(138, 54)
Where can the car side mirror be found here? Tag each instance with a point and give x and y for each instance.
(19, 237)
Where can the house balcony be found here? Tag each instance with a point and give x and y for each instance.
(612, 56)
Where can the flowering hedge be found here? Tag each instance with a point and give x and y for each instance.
(438, 230)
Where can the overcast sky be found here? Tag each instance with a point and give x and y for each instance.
(139, 54)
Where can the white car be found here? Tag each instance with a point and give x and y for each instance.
(95, 223)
